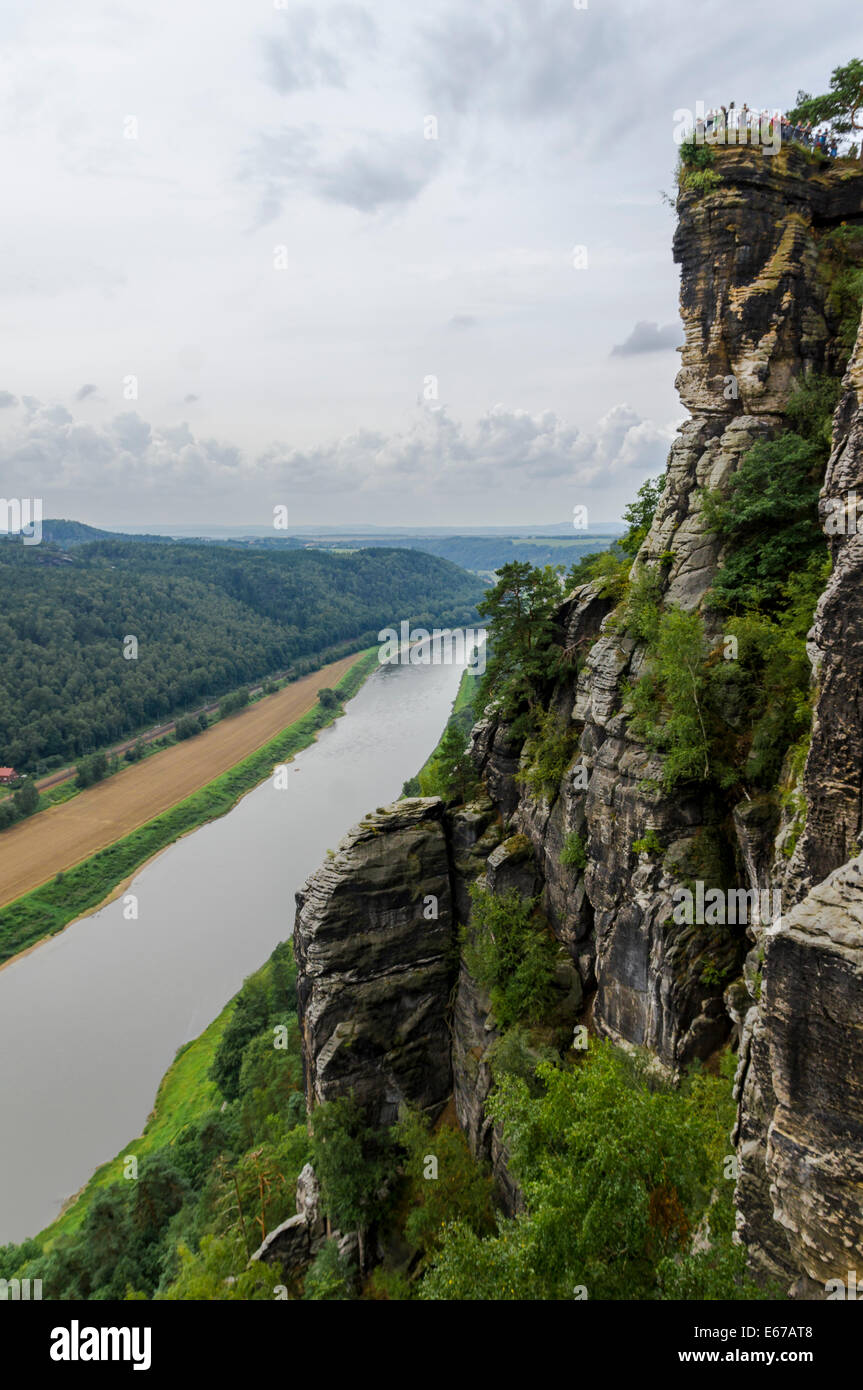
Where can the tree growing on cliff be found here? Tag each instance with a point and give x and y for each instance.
(451, 773)
(617, 1171)
(841, 108)
(521, 607)
(640, 513)
(354, 1163)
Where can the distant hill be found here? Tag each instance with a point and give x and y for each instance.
(71, 533)
(486, 554)
(207, 618)
(483, 552)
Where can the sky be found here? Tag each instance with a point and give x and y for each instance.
(388, 263)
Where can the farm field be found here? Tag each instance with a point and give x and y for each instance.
(37, 849)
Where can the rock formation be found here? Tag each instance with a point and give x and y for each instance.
(388, 1011)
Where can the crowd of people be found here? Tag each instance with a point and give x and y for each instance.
(724, 120)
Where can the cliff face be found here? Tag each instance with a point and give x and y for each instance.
(375, 942)
(753, 307)
(386, 1008)
(800, 1084)
(833, 775)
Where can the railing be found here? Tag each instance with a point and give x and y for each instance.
(745, 126)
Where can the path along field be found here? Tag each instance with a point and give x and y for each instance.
(33, 851)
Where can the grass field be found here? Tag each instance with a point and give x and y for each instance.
(124, 838)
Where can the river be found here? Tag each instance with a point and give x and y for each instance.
(91, 1020)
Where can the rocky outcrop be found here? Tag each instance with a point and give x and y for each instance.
(389, 1012)
(377, 952)
(374, 946)
(800, 1131)
(293, 1244)
(833, 776)
(757, 320)
(752, 305)
(800, 1083)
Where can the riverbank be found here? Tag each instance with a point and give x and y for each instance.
(35, 915)
(186, 1093)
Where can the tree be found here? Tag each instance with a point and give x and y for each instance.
(669, 701)
(841, 108)
(354, 1163)
(640, 513)
(250, 1016)
(91, 770)
(451, 773)
(27, 797)
(768, 520)
(617, 1171)
(458, 1188)
(511, 953)
(328, 698)
(521, 606)
(330, 1275)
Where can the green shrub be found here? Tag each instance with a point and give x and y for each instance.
(617, 1171)
(26, 798)
(840, 265)
(641, 613)
(330, 1275)
(91, 770)
(510, 952)
(549, 749)
(574, 852)
(768, 521)
(648, 844)
(238, 699)
(669, 701)
(354, 1163)
(452, 1187)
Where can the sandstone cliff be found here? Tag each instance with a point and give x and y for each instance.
(387, 1009)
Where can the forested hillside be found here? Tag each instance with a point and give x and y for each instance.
(482, 553)
(206, 620)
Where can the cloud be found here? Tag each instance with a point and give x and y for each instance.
(372, 172)
(649, 337)
(462, 321)
(524, 60)
(506, 450)
(50, 450)
(7, 400)
(306, 54)
(190, 399)
(84, 391)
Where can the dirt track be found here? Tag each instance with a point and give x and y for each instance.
(35, 850)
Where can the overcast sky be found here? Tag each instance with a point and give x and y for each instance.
(233, 209)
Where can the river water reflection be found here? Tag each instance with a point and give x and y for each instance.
(90, 1021)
